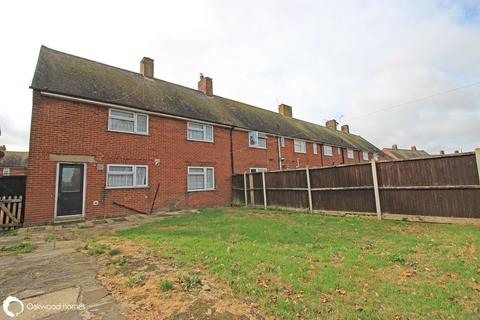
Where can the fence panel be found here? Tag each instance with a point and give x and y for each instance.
(445, 186)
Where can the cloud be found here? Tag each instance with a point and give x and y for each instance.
(328, 59)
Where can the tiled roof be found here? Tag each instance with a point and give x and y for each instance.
(65, 74)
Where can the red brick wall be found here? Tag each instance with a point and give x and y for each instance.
(69, 128)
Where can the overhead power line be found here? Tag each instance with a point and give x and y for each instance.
(415, 100)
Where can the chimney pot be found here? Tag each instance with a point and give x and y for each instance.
(395, 147)
(332, 124)
(413, 148)
(456, 151)
(442, 153)
(285, 110)
(345, 128)
(205, 85)
(146, 67)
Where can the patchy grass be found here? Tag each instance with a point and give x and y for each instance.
(94, 248)
(166, 285)
(136, 280)
(295, 265)
(24, 247)
(114, 252)
(49, 237)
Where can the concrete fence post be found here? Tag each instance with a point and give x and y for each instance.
(309, 188)
(477, 156)
(245, 188)
(376, 190)
(252, 191)
(264, 191)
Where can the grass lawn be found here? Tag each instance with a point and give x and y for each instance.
(315, 267)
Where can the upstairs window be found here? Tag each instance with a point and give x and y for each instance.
(315, 148)
(349, 153)
(6, 172)
(365, 155)
(130, 122)
(282, 142)
(201, 178)
(257, 139)
(300, 146)
(253, 170)
(199, 132)
(327, 150)
(127, 176)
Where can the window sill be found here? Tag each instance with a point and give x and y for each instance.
(300, 152)
(195, 140)
(128, 132)
(116, 188)
(257, 147)
(328, 155)
(203, 190)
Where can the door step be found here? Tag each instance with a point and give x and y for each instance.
(69, 219)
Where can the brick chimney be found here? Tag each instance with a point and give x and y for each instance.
(456, 151)
(345, 128)
(146, 67)
(413, 148)
(332, 124)
(205, 85)
(442, 153)
(395, 147)
(285, 110)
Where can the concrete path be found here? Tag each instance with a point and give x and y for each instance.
(58, 280)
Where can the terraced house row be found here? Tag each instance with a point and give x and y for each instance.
(107, 141)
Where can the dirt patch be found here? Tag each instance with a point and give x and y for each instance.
(154, 288)
(411, 228)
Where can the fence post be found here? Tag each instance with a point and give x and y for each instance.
(264, 191)
(245, 188)
(252, 191)
(375, 189)
(310, 206)
(477, 156)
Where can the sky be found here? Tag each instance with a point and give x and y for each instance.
(398, 72)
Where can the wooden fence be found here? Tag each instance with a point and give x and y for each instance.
(12, 201)
(444, 186)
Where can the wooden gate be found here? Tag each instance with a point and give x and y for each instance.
(10, 211)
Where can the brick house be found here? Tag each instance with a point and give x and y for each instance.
(395, 153)
(13, 163)
(107, 141)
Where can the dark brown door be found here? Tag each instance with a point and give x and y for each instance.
(70, 189)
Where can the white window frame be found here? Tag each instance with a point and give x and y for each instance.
(135, 115)
(328, 153)
(203, 130)
(363, 155)
(339, 151)
(296, 143)
(255, 170)
(282, 142)
(6, 172)
(315, 148)
(256, 134)
(350, 154)
(134, 174)
(204, 181)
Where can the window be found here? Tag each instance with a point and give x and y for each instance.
(200, 178)
(339, 151)
(300, 146)
(6, 171)
(199, 132)
(127, 176)
(365, 155)
(349, 153)
(257, 139)
(315, 148)
(327, 150)
(253, 170)
(124, 121)
(282, 142)
(376, 156)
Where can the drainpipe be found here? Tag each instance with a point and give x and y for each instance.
(343, 156)
(279, 153)
(231, 151)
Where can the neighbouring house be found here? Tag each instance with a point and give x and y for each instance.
(401, 154)
(13, 163)
(108, 141)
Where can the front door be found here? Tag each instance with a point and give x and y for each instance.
(70, 189)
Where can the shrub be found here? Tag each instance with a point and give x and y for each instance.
(166, 285)
(114, 252)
